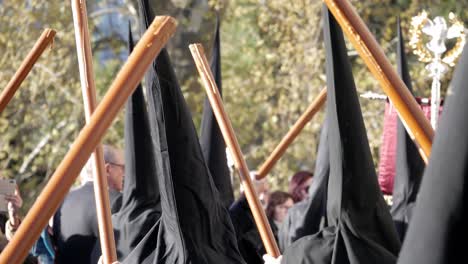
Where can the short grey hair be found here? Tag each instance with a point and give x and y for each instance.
(110, 154)
(86, 173)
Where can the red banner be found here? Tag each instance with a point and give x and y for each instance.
(387, 162)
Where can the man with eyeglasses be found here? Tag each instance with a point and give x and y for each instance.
(75, 227)
(115, 167)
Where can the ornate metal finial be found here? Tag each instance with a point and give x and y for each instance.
(435, 52)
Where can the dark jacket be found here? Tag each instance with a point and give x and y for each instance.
(75, 224)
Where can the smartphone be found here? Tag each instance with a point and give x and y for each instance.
(7, 187)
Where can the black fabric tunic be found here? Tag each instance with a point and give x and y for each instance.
(194, 226)
(306, 217)
(359, 226)
(248, 238)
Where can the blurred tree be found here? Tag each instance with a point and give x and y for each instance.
(272, 71)
(46, 114)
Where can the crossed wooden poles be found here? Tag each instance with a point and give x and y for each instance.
(416, 124)
(100, 117)
(101, 194)
(412, 116)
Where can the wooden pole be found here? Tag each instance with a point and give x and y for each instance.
(101, 194)
(231, 141)
(411, 115)
(41, 44)
(292, 134)
(59, 184)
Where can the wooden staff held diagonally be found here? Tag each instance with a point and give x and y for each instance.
(149, 46)
(411, 115)
(231, 141)
(46, 39)
(292, 134)
(101, 194)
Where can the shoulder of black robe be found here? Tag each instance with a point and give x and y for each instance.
(306, 217)
(360, 227)
(211, 139)
(140, 207)
(409, 164)
(194, 227)
(438, 230)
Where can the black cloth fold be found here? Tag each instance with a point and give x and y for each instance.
(438, 230)
(248, 238)
(194, 226)
(409, 164)
(306, 217)
(141, 206)
(211, 139)
(359, 226)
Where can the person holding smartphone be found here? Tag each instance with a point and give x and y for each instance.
(9, 219)
(14, 204)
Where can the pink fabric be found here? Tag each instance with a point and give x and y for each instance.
(387, 163)
(388, 150)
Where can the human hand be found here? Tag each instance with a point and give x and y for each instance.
(100, 261)
(13, 214)
(14, 203)
(15, 198)
(271, 260)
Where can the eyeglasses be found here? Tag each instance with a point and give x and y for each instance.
(122, 166)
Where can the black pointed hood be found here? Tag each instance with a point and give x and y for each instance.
(359, 228)
(206, 227)
(438, 229)
(305, 217)
(195, 226)
(211, 139)
(141, 199)
(409, 164)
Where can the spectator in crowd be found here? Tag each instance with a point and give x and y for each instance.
(277, 208)
(10, 221)
(75, 227)
(262, 188)
(299, 185)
